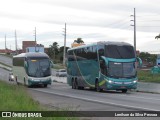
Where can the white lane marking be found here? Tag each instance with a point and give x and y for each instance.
(136, 97)
(97, 101)
(142, 97)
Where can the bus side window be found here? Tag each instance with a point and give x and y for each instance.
(95, 52)
(101, 50)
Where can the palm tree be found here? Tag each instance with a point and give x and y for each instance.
(53, 49)
(158, 36)
(79, 40)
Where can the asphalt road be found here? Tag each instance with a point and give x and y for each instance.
(6, 60)
(61, 96)
(118, 101)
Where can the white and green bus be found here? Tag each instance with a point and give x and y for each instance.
(32, 68)
(103, 65)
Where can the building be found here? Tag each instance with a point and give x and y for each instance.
(26, 44)
(8, 51)
(76, 44)
(35, 49)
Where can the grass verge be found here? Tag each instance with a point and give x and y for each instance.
(58, 66)
(147, 76)
(16, 98)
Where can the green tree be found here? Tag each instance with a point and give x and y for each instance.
(79, 40)
(61, 50)
(158, 36)
(150, 58)
(53, 50)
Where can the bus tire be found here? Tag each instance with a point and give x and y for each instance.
(76, 84)
(73, 84)
(80, 87)
(97, 88)
(124, 90)
(45, 85)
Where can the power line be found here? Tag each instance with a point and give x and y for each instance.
(147, 20)
(118, 23)
(148, 26)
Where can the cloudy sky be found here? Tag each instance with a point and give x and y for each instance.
(91, 20)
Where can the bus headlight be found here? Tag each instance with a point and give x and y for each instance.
(12, 77)
(135, 81)
(111, 82)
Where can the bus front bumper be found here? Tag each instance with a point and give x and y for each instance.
(121, 85)
(39, 82)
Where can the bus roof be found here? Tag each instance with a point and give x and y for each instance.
(32, 54)
(102, 43)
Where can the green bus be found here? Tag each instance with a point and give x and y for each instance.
(103, 66)
(33, 68)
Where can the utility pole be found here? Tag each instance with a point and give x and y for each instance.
(5, 44)
(134, 20)
(64, 51)
(35, 39)
(16, 42)
(35, 34)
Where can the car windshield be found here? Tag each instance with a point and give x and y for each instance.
(121, 70)
(62, 71)
(39, 67)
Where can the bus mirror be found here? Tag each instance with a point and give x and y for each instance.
(101, 61)
(25, 64)
(51, 64)
(139, 62)
(104, 59)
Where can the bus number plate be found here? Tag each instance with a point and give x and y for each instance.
(123, 87)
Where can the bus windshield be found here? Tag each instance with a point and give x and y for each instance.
(38, 67)
(119, 52)
(121, 70)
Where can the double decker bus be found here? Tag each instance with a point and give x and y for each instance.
(103, 66)
(32, 69)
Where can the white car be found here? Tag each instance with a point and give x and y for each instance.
(11, 76)
(61, 73)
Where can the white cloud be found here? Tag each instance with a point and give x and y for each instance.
(98, 20)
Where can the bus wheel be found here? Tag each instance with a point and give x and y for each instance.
(80, 87)
(97, 86)
(45, 85)
(124, 90)
(73, 84)
(76, 84)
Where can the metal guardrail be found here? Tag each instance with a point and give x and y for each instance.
(5, 67)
